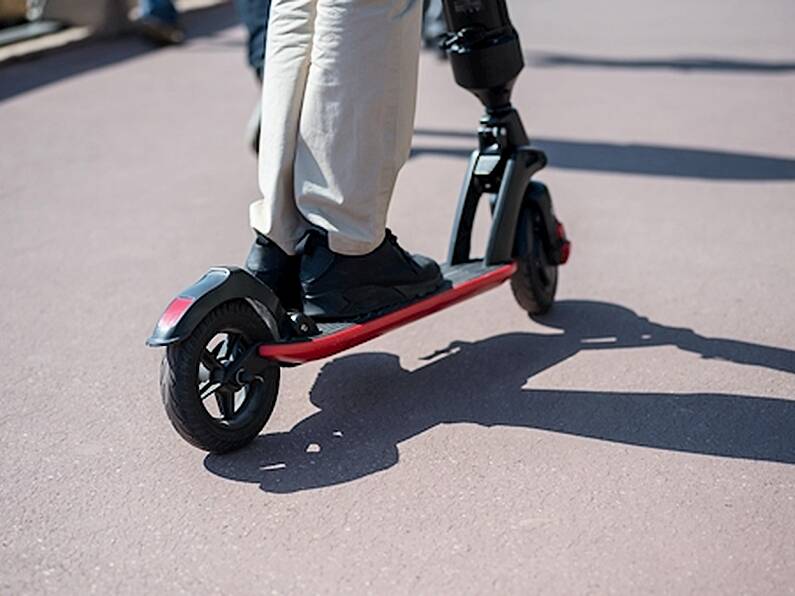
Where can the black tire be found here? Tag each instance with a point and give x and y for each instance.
(536, 279)
(185, 361)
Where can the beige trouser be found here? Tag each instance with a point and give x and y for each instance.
(338, 102)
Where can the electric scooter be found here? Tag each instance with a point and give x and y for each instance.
(227, 336)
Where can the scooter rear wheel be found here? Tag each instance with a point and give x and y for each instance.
(536, 279)
(206, 408)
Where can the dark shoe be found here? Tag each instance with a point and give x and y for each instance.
(340, 287)
(277, 270)
(160, 31)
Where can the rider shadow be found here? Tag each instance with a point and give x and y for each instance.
(369, 404)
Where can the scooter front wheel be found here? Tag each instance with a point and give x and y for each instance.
(210, 400)
(536, 279)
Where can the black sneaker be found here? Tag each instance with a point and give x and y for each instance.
(160, 31)
(338, 287)
(277, 270)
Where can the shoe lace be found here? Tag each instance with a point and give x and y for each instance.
(393, 240)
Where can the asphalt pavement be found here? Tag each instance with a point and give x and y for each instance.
(639, 439)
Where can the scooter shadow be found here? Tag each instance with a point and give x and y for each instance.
(369, 404)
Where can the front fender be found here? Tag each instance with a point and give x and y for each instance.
(218, 285)
(556, 244)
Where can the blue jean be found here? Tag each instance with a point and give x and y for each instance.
(160, 9)
(254, 14)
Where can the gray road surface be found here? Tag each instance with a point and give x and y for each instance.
(641, 439)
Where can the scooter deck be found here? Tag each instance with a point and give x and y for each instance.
(462, 282)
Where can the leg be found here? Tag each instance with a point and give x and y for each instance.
(433, 23)
(288, 47)
(160, 9)
(354, 136)
(254, 15)
(357, 117)
(337, 131)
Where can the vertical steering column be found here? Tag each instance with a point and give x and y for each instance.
(484, 49)
(486, 57)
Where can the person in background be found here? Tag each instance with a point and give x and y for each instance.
(434, 27)
(254, 14)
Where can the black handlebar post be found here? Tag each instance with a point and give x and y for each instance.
(484, 50)
(486, 56)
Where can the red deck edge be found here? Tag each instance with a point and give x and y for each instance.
(315, 349)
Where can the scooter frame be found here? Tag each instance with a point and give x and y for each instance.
(498, 166)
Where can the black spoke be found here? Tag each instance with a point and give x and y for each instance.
(225, 398)
(210, 361)
(236, 349)
(217, 361)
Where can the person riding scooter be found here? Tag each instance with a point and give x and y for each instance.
(340, 86)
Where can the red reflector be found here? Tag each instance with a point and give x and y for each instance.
(565, 247)
(565, 252)
(174, 312)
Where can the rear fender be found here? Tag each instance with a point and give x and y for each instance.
(218, 285)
